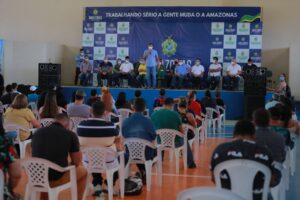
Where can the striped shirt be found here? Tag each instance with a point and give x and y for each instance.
(96, 131)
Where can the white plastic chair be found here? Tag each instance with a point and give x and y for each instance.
(123, 113)
(2, 179)
(136, 148)
(211, 120)
(46, 121)
(157, 108)
(242, 173)
(278, 192)
(287, 164)
(222, 117)
(75, 121)
(97, 158)
(37, 170)
(195, 140)
(5, 106)
(167, 137)
(206, 193)
(18, 129)
(202, 130)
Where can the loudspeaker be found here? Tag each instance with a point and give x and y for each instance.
(253, 102)
(49, 75)
(255, 80)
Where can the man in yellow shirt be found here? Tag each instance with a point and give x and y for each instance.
(141, 78)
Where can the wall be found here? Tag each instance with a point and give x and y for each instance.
(294, 80)
(60, 22)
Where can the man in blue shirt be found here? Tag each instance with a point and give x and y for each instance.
(151, 57)
(139, 126)
(78, 60)
(181, 73)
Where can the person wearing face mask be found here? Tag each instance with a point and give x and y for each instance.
(116, 73)
(161, 74)
(126, 69)
(282, 87)
(141, 78)
(197, 73)
(78, 60)
(151, 57)
(214, 74)
(181, 74)
(249, 65)
(85, 69)
(234, 70)
(104, 72)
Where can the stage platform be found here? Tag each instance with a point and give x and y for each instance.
(234, 100)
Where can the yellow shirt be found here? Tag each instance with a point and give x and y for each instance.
(142, 69)
(21, 117)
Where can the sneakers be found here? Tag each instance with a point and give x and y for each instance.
(97, 190)
(192, 166)
(105, 189)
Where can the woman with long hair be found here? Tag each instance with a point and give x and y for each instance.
(50, 107)
(107, 99)
(19, 113)
(121, 101)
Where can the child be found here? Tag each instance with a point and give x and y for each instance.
(141, 78)
(161, 73)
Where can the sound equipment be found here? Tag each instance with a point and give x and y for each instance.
(255, 80)
(49, 75)
(252, 102)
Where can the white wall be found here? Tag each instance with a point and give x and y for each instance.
(294, 70)
(21, 60)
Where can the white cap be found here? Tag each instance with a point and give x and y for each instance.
(32, 88)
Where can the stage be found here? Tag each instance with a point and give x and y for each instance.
(234, 100)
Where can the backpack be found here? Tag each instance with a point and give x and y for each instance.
(133, 185)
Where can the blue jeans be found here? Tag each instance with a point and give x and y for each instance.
(141, 80)
(179, 79)
(190, 160)
(86, 79)
(151, 76)
(213, 82)
(231, 83)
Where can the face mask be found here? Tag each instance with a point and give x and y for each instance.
(86, 59)
(232, 63)
(197, 63)
(281, 78)
(142, 62)
(180, 63)
(105, 61)
(150, 47)
(82, 54)
(127, 61)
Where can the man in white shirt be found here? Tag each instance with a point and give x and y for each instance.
(126, 69)
(234, 70)
(197, 73)
(214, 74)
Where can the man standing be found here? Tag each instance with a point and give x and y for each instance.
(55, 143)
(181, 73)
(151, 57)
(166, 118)
(197, 74)
(78, 60)
(105, 69)
(214, 74)
(232, 79)
(86, 72)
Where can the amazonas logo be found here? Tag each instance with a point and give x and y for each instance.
(228, 56)
(99, 27)
(217, 41)
(243, 28)
(122, 53)
(111, 41)
(242, 55)
(256, 41)
(169, 46)
(99, 54)
(95, 12)
(88, 40)
(230, 41)
(123, 27)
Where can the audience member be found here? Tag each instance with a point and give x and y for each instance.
(50, 108)
(273, 102)
(244, 147)
(159, 101)
(7, 99)
(139, 126)
(194, 106)
(78, 108)
(94, 97)
(219, 101)
(9, 164)
(60, 97)
(56, 144)
(122, 102)
(96, 131)
(15, 91)
(268, 138)
(19, 113)
(282, 87)
(208, 102)
(187, 117)
(166, 118)
(32, 96)
(107, 99)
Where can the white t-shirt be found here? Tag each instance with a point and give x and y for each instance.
(197, 70)
(126, 67)
(234, 69)
(215, 66)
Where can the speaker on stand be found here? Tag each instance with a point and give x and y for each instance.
(49, 75)
(254, 89)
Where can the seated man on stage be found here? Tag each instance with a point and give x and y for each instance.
(197, 73)
(214, 74)
(170, 70)
(116, 73)
(126, 69)
(181, 74)
(104, 72)
(231, 81)
(86, 72)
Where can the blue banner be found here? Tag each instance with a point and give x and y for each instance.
(174, 37)
(173, 14)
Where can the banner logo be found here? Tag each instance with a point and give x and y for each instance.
(242, 55)
(88, 40)
(169, 47)
(111, 40)
(243, 28)
(123, 27)
(122, 53)
(216, 53)
(99, 53)
(217, 28)
(255, 42)
(229, 41)
(100, 27)
(95, 12)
